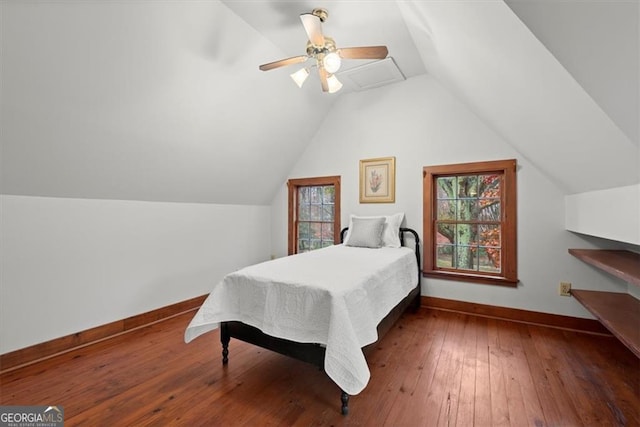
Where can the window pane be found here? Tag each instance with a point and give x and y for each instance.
(446, 209)
(327, 213)
(316, 213)
(490, 236)
(445, 256)
(329, 193)
(467, 186)
(467, 234)
(467, 210)
(489, 186)
(447, 187)
(446, 233)
(457, 200)
(466, 258)
(464, 246)
(316, 244)
(303, 195)
(489, 210)
(303, 230)
(304, 212)
(316, 230)
(315, 194)
(489, 260)
(303, 245)
(327, 232)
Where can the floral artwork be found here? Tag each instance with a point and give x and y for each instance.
(377, 180)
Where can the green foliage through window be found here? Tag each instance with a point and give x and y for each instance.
(468, 222)
(316, 216)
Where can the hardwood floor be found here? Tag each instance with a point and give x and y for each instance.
(434, 368)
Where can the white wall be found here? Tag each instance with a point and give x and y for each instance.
(421, 124)
(610, 214)
(67, 265)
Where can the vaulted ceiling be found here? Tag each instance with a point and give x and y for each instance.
(163, 100)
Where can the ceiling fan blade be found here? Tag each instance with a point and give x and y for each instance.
(313, 27)
(364, 52)
(323, 79)
(284, 62)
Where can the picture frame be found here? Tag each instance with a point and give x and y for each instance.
(378, 180)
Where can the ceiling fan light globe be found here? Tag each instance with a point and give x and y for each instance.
(334, 84)
(300, 76)
(332, 62)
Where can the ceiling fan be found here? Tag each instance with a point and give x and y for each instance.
(323, 49)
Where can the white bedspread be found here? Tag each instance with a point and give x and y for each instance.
(334, 296)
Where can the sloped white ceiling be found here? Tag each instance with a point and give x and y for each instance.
(153, 100)
(163, 100)
(598, 42)
(483, 53)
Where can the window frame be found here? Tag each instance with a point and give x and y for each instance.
(293, 185)
(509, 259)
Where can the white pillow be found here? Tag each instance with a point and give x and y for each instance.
(366, 232)
(390, 232)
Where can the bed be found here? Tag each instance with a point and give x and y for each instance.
(327, 307)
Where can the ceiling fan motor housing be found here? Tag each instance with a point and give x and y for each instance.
(320, 13)
(328, 47)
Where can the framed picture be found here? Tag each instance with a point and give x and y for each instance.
(378, 180)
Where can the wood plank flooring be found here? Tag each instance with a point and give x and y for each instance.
(434, 368)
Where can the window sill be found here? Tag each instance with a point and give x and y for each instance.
(472, 278)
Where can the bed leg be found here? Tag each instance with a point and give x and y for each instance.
(225, 338)
(344, 397)
(417, 303)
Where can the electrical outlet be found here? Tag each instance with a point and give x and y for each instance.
(564, 289)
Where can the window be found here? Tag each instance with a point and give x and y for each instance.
(469, 220)
(314, 213)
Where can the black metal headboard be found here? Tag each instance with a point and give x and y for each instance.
(402, 231)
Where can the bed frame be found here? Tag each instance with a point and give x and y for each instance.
(314, 353)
